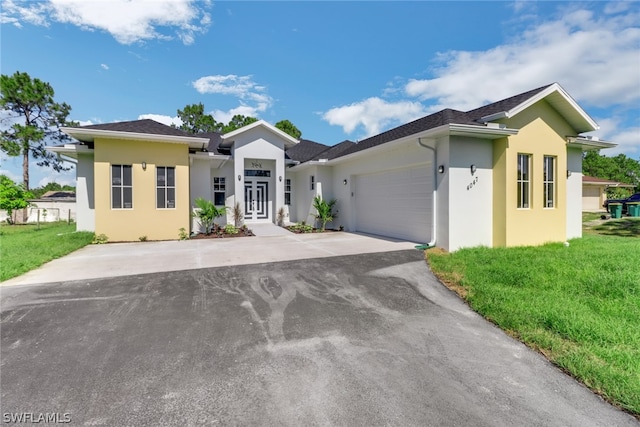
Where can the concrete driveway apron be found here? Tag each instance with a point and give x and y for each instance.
(367, 339)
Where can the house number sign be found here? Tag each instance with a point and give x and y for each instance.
(472, 184)
(257, 165)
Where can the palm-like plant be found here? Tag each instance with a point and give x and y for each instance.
(207, 213)
(324, 210)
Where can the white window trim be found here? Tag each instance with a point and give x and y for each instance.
(121, 186)
(224, 190)
(520, 183)
(287, 183)
(165, 187)
(552, 181)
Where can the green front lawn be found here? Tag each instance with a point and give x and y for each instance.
(25, 247)
(578, 305)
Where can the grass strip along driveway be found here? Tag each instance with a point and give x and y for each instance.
(25, 247)
(578, 305)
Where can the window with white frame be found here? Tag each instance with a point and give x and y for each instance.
(312, 182)
(287, 192)
(165, 187)
(121, 187)
(549, 183)
(219, 190)
(524, 180)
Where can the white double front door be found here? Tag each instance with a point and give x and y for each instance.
(256, 199)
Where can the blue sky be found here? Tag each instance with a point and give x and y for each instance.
(337, 70)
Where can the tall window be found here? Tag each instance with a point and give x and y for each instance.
(549, 181)
(219, 190)
(287, 192)
(312, 182)
(165, 187)
(524, 180)
(121, 187)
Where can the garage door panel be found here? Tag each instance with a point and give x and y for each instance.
(395, 203)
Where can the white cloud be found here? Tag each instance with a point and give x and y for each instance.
(245, 110)
(594, 57)
(127, 21)
(167, 120)
(253, 97)
(242, 87)
(627, 138)
(104, 66)
(373, 114)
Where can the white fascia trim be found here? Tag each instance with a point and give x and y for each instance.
(91, 134)
(477, 131)
(587, 143)
(207, 155)
(481, 132)
(291, 141)
(537, 97)
(70, 150)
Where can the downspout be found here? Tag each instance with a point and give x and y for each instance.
(432, 243)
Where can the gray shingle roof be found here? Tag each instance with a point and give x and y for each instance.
(139, 126)
(305, 150)
(335, 151)
(431, 121)
(504, 105)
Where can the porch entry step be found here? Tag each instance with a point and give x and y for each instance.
(267, 229)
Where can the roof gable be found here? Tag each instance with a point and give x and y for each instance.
(290, 141)
(553, 94)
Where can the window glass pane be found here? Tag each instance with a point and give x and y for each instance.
(127, 197)
(218, 199)
(116, 176)
(171, 197)
(126, 175)
(287, 199)
(171, 177)
(116, 198)
(160, 176)
(160, 199)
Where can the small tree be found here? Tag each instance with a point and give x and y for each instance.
(12, 197)
(30, 101)
(287, 127)
(207, 213)
(324, 210)
(238, 215)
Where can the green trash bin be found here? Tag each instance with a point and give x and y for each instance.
(633, 208)
(616, 210)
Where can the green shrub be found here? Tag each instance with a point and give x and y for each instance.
(99, 239)
(230, 229)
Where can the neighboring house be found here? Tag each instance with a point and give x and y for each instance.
(594, 192)
(505, 174)
(52, 206)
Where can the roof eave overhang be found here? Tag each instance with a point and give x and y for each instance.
(580, 120)
(89, 135)
(70, 150)
(453, 129)
(586, 143)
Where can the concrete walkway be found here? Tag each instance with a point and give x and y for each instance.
(124, 259)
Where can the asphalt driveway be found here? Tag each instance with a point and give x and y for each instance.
(351, 340)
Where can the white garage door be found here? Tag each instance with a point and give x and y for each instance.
(591, 199)
(396, 203)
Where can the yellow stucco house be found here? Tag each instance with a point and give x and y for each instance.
(505, 174)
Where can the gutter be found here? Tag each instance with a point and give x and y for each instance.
(432, 243)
